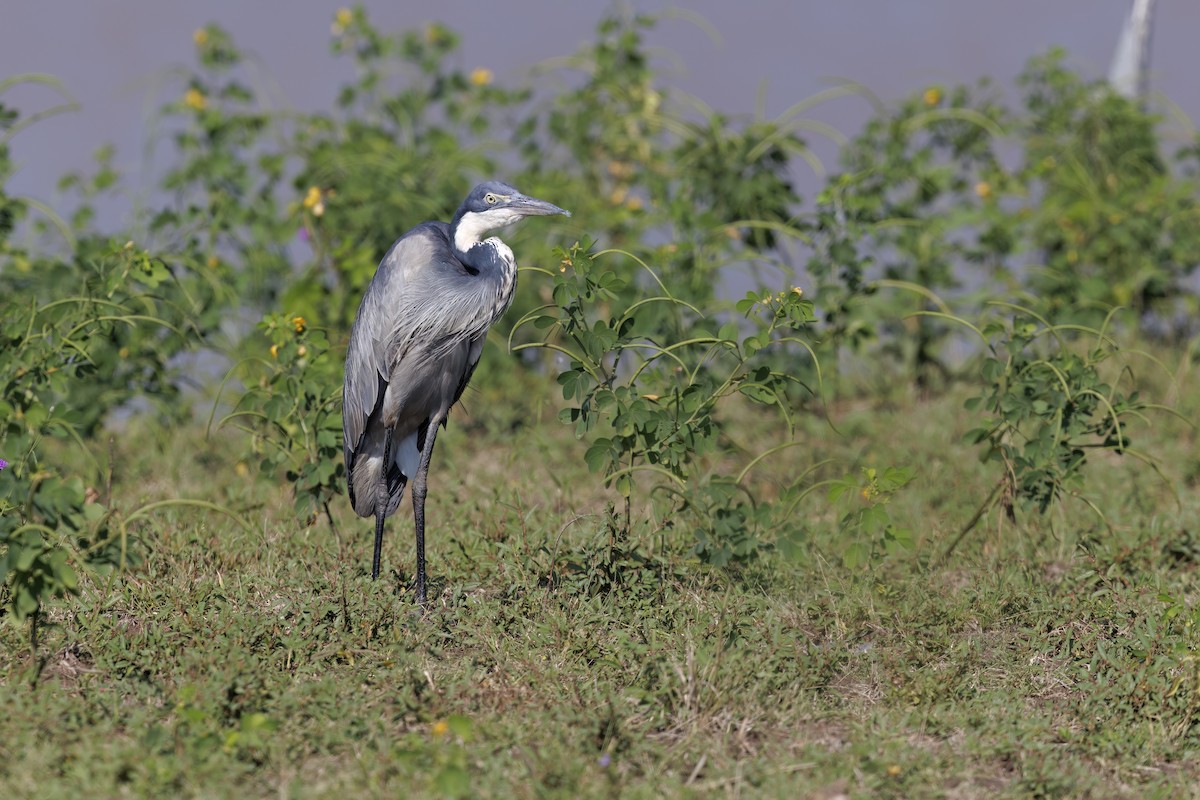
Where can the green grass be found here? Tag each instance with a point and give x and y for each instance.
(1038, 661)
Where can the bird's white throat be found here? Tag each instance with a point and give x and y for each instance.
(474, 224)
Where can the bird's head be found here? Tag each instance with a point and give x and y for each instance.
(491, 206)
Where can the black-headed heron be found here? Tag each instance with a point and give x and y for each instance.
(416, 340)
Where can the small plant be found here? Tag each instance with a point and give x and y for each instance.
(731, 526)
(868, 522)
(1047, 406)
(226, 180)
(443, 757)
(199, 729)
(292, 410)
(1112, 226)
(914, 209)
(55, 335)
(651, 408)
(51, 523)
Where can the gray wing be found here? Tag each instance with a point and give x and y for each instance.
(372, 354)
(417, 337)
(473, 354)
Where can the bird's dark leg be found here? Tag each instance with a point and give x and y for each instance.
(419, 488)
(381, 502)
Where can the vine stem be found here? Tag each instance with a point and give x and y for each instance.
(983, 509)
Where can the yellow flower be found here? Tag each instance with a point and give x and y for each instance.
(242, 469)
(274, 351)
(195, 99)
(651, 397)
(932, 96)
(313, 201)
(983, 189)
(634, 204)
(440, 728)
(894, 770)
(618, 196)
(481, 76)
(213, 262)
(299, 323)
(302, 351)
(200, 36)
(796, 290)
(341, 21)
(621, 170)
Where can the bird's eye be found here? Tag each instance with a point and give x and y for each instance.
(491, 199)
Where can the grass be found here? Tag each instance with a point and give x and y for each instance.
(1040, 660)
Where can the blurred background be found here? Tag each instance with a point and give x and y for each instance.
(117, 59)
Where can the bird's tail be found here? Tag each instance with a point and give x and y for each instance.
(365, 472)
(365, 485)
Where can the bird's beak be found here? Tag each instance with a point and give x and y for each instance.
(532, 207)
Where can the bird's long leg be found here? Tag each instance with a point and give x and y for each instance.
(419, 488)
(381, 502)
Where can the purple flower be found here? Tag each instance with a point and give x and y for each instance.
(604, 760)
(3, 463)
(303, 234)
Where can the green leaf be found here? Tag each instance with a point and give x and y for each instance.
(901, 537)
(759, 393)
(856, 555)
(896, 477)
(599, 455)
(452, 781)
(838, 489)
(875, 519)
(747, 304)
(977, 435)
(22, 557)
(460, 726)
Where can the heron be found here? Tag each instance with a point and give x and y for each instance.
(416, 340)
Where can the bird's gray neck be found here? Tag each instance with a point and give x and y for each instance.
(466, 237)
(489, 256)
(493, 261)
(489, 259)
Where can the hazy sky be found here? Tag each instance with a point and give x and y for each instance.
(116, 58)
